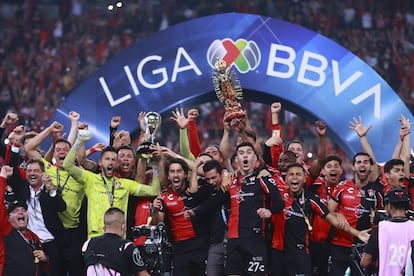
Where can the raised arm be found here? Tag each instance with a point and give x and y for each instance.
(405, 153)
(5, 226)
(178, 116)
(194, 176)
(140, 175)
(358, 126)
(275, 142)
(156, 214)
(74, 120)
(69, 163)
(8, 120)
(143, 135)
(317, 165)
(121, 138)
(33, 144)
(113, 128)
(225, 144)
(193, 137)
(167, 152)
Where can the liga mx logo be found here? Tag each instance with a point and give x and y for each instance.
(243, 54)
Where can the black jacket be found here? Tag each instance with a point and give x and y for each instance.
(50, 205)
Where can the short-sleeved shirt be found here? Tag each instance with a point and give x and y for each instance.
(357, 205)
(389, 249)
(174, 205)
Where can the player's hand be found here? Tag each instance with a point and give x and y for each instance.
(189, 214)
(364, 235)
(358, 125)
(275, 107)
(40, 254)
(178, 116)
(74, 116)
(6, 171)
(157, 203)
(192, 114)
(84, 135)
(320, 127)
(342, 222)
(226, 178)
(115, 121)
(264, 213)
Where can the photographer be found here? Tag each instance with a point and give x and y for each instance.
(390, 240)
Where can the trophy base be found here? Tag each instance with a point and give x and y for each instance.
(230, 116)
(144, 149)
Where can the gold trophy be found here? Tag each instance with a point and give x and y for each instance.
(228, 90)
(152, 122)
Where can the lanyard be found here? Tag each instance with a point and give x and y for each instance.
(58, 180)
(109, 194)
(32, 243)
(310, 228)
(32, 203)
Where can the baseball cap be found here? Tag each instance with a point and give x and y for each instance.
(396, 195)
(13, 205)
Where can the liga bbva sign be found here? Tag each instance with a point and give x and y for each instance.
(275, 60)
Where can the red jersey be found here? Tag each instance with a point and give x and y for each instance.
(321, 227)
(357, 205)
(174, 205)
(247, 194)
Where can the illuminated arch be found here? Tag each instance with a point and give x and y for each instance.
(276, 60)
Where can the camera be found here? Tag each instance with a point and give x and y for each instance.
(157, 248)
(156, 235)
(142, 230)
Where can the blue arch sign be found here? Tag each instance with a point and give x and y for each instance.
(274, 59)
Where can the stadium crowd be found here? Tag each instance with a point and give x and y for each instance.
(245, 185)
